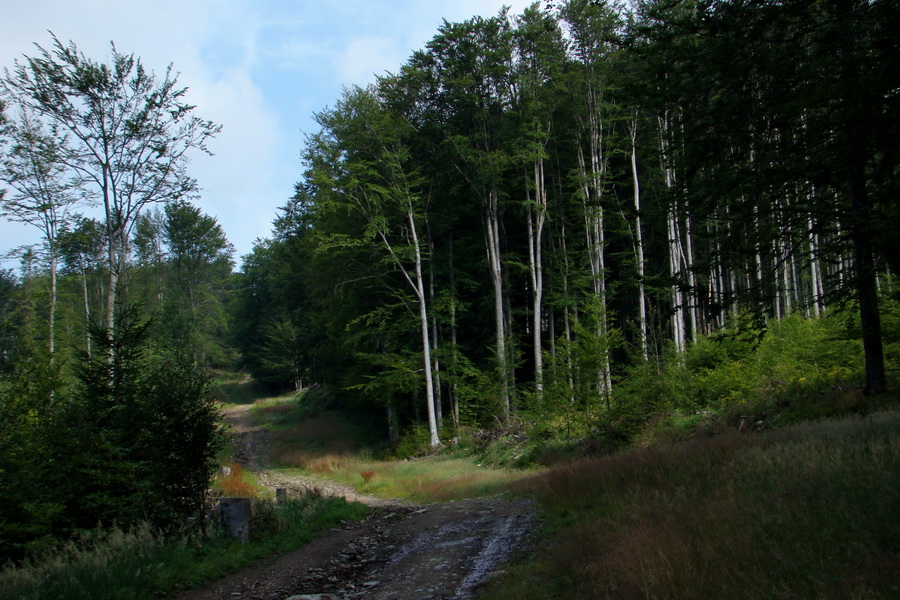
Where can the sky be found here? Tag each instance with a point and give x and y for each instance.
(260, 68)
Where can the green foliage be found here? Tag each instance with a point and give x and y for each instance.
(510, 139)
(129, 401)
(30, 458)
(133, 440)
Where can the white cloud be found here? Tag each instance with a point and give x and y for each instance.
(367, 56)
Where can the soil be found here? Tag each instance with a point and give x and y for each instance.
(401, 552)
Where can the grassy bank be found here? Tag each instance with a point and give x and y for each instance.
(808, 511)
(141, 564)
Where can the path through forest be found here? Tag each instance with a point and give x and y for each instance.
(402, 551)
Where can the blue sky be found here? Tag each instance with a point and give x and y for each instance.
(259, 68)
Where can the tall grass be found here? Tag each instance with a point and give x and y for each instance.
(434, 480)
(804, 512)
(141, 564)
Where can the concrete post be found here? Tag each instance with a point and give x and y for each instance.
(235, 514)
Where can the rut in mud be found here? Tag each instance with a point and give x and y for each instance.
(401, 552)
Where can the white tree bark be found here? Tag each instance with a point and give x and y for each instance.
(639, 240)
(492, 234)
(537, 214)
(673, 236)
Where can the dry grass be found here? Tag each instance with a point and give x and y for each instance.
(237, 483)
(806, 512)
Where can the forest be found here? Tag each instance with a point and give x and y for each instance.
(559, 224)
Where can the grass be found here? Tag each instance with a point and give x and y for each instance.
(236, 388)
(436, 479)
(142, 565)
(808, 511)
(326, 443)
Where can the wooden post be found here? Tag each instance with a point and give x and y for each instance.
(281, 496)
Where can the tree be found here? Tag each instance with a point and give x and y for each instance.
(81, 250)
(199, 261)
(43, 190)
(540, 52)
(595, 28)
(470, 65)
(144, 433)
(129, 135)
(378, 183)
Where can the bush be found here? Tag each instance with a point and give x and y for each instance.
(147, 433)
(133, 440)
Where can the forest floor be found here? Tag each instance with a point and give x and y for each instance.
(401, 551)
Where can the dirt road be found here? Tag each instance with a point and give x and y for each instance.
(401, 552)
(439, 551)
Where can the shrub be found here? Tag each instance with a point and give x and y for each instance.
(134, 439)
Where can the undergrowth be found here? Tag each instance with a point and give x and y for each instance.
(435, 479)
(142, 564)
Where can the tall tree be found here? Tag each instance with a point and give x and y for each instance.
(377, 182)
(540, 53)
(81, 248)
(129, 134)
(594, 29)
(198, 264)
(471, 67)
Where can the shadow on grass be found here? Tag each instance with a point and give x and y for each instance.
(238, 388)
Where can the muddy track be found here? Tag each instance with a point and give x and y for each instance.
(439, 551)
(401, 552)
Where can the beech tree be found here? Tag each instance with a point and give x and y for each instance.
(375, 181)
(546, 202)
(128, 135)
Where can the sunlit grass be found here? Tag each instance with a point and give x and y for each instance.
(234, 388)
(433, 479)
(328, 445)
(234, 481)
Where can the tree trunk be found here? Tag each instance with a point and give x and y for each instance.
(426, 338)
(87, 313)
(492, 232)
(536, 270)
(866, 285)
(674, 239)
(51, 317)
(639, 240)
